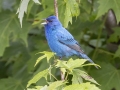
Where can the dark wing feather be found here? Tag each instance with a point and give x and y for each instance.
(67, 39)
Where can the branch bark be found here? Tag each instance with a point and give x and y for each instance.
(56, 8)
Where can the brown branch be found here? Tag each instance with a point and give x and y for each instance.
(62, 76)
(56, 8)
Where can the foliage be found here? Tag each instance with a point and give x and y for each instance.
(21, 66)
(70, 68)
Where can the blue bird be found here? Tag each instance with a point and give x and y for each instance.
(61, 41)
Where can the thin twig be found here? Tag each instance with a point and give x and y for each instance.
(62, 76)
(56, 14)
(56, 8)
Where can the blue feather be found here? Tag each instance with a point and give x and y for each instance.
(61, 41)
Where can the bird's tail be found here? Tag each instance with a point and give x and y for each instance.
(84, 56)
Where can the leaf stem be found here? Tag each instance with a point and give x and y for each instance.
(53, 76)
(66, 76)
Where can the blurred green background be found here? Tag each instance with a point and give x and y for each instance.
(95, 25)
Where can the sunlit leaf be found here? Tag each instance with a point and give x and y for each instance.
(55, 84)
(22, 9)
(75, 63)
(37, 1)
(83, 86)
(76, 79)
(48, 55)
(62, 64)
(44, 88)
(72, 9)
(86, 76)
(71, 64)
(38, 76)
(35, 88)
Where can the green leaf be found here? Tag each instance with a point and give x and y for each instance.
(105, 5)
(44, 88)
(22, 9)
(55, 84)
(35, 88)
(72, 9)
(39, 59)
(38, 76)
(47, 11)
(68, 16)
(86, 5)
(115, 36)
(12, 84)
(62, 64)
(71, 64)
(117, 53)
(83, 86)
(37, 1)
(78, 73)
(76, 78)
(75, 63)
(87, 77)
(47, 54)
(10, 25)
(108, 76)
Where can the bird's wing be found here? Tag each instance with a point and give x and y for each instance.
(67, 39)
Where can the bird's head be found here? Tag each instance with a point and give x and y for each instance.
(52, 21)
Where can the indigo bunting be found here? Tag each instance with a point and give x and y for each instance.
(61, 41)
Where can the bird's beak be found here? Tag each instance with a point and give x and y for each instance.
(45, 22)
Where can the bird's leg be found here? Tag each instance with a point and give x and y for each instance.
(62, 74)
(60, 58)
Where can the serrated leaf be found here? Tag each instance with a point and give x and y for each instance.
(44, 88)
(55, 84)
(72, 9)
(9, 24)
(71, 64)
(35, 88)
(22, 9)
(47, 10)
(62, 64)
(75, 63)
(86, 5)
(108, 76)
(105, 5)
(47, 55)
(89, 64)
(37, 1)
(117, 53)
(115, 36)
(68, 16)
(87, 77)
(83, 86)
(39, 59)
(76, 78)
(79, 73)
(38, 76)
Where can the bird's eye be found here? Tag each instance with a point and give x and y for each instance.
(50, 21)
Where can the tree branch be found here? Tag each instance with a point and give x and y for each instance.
(56, 8)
